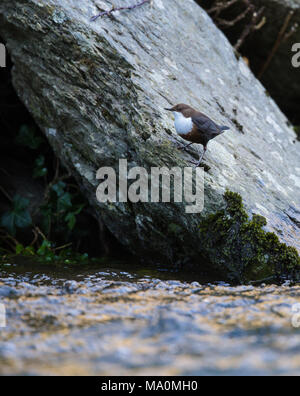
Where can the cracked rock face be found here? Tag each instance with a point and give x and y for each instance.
(98, 90)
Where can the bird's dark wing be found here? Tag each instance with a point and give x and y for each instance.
(206, 125)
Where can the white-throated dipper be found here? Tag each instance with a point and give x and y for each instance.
(196, 127)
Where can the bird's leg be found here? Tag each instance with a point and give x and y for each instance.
(198, 163)
(202, 156)
(183, 147)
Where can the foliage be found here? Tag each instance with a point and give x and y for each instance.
(17, 217)
(46, 253)
(297, 130)
(58, 213)
(40, 169)
(28, 137)
(59, 209)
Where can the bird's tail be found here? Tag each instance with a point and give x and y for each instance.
(224, 128)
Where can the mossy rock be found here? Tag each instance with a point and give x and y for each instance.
(241, 250)
(297, 130)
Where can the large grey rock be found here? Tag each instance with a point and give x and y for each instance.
(98, 91)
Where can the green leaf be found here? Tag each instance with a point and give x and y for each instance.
(22, 216)
(40, 161)
(59, 188)
(40, 170)
(27, 138)
(18, 217)
(8, 221)
(19, 248)
(29, 251)
(25, 251)
(44, 249)
(70, 220)
(79, 209)
(64, 202)
(20, 203)
(23, 219)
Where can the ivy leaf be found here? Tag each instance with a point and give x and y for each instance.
(70, 220)
(27, 137)
(18, 217)
(64, 202)
(40, 170)
(20, 203)
(40, 173)
(23, 219)
(79, 209)
(8, 221)
(44, 249)
(59, 188)
(19, 249)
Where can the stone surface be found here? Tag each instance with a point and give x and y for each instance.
(98, 91)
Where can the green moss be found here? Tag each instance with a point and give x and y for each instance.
(175, 229)
(241, 250)
(297, 130)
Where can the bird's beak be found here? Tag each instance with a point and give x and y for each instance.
(169, 109)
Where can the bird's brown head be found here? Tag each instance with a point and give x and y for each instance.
(179, 108)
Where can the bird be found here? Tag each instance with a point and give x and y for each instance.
(195, 127)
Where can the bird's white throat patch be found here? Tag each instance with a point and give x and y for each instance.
(182, 125)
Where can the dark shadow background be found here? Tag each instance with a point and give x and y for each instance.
(281, 79)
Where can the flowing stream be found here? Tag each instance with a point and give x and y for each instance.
(112, 320)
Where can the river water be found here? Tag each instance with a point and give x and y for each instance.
(112, 320)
